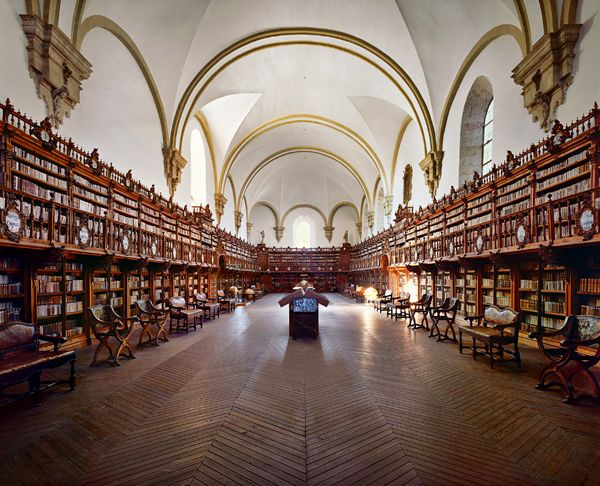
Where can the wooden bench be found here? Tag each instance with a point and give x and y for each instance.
(568, 360)
(106, 324)
(151, 317)
(422, 306)
(209, 307)
(181, 313)
(495, 329)
(21, 359)
(444, 313)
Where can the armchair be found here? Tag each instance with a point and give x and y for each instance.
(209, 307)
(496, 328)
(180, 313)
(445, 313)
(380, 303)
(151, 316)
(422, 306)
(107, 324)
(568, 361)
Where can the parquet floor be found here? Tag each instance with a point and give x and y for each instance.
(238, 402)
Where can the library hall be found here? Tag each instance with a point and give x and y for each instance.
(299, 242)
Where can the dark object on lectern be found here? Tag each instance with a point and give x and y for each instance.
(304, 312)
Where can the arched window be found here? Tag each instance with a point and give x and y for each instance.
(198, 160)
(476, 130)
(488, 135)
(302, 234)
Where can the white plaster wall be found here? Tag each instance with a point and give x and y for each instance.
(344, 220)
(15, 82)
(117, 113)
(585, 89)
(65, 16)
(262, 220)
(227, 220)
(513, 128)
(411, 152)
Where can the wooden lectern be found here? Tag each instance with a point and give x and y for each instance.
(304, 311)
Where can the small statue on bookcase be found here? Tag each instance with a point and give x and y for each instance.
(94, 161)
(346, 237)
(262, 237)
(559, 135)
(43, 132)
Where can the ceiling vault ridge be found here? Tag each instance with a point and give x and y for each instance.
(302, 118)
(422, 115)
(303, 149)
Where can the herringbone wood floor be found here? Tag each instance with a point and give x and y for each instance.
(238, 402)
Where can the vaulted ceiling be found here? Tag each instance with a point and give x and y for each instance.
(299, 101)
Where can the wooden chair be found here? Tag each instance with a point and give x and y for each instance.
(180, 313)
(380, 303)
(226, 304)
(568, 361)
(106, 324)
(151, 317)
(209, 307)
(444, 313)
(422, 306)
(399, 307)
(495, 329)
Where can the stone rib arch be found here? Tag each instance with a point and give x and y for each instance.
(301, 118)
(422, 115)
(99, 21)
(270, 207)
(477, 49)
(307, 206)
(302, 149)
(338, 206)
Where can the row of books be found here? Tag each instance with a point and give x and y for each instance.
(36, 190)
(558, 285)
(531, 321)
(74, 306)
(50, 166)
(564, 191)
(10, 287)
(564, 176)
(38, 174)
(52, 307)
(10, 311)
(561, 165)
(73, 285)
(529, 304)
(89, 184)
(554, 307)
(589, 284)
(10, 263)
(49, 283)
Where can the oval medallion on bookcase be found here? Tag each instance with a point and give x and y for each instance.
(13, 222)
(586, 220)
(479, 243)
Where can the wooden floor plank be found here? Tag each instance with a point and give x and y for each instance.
(238, 402)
